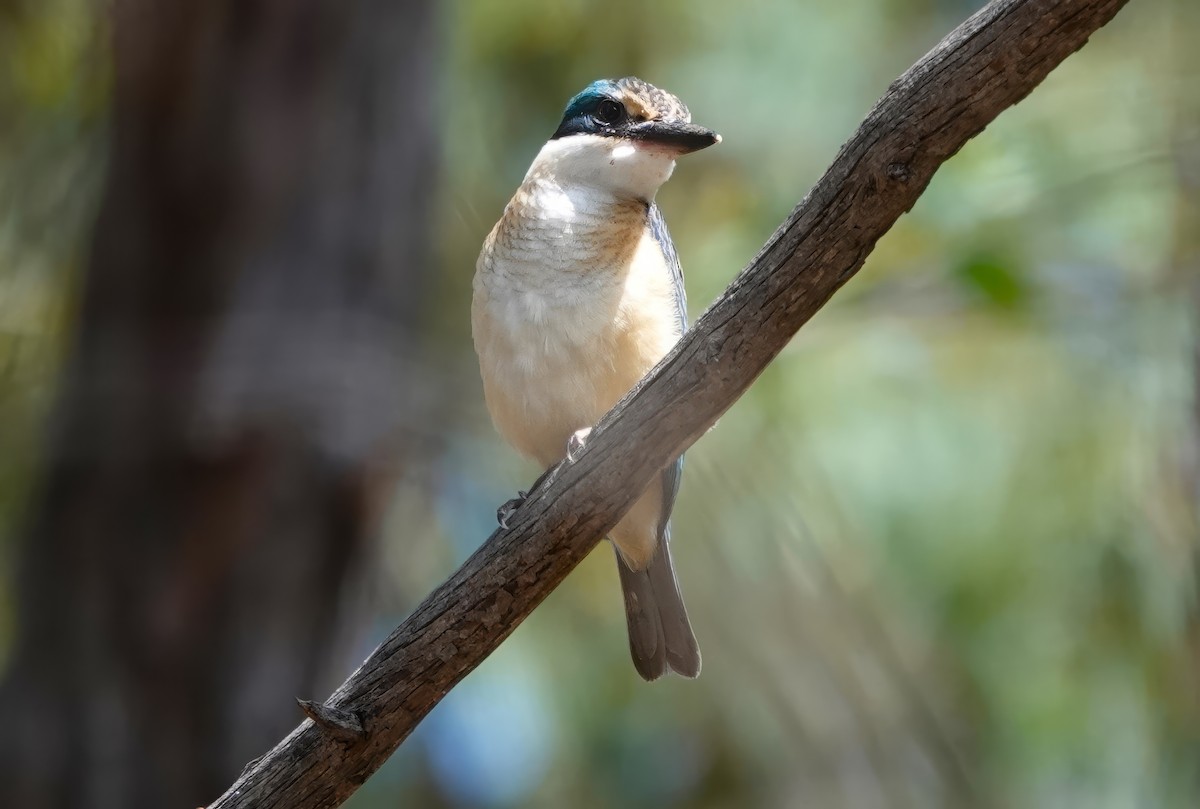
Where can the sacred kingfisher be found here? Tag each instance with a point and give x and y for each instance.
(578, 293)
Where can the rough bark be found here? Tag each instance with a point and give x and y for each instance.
(257, 257)
(984, 66)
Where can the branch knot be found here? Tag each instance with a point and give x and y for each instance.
(901, 172)
(343, 725)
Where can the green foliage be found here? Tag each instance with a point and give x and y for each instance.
(52, 101)
(993, 278)
(978, 457)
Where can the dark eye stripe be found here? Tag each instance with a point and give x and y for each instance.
(592, 113)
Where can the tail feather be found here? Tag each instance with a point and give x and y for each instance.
(660, 635)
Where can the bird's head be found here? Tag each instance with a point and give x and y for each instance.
(622, 136)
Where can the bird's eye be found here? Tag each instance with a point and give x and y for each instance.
(608, 112)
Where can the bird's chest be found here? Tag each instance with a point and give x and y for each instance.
(547, 322)
(556, 327)
(564, 328)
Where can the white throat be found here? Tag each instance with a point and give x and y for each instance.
(624, 169)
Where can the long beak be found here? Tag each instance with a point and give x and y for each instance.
(681, 137)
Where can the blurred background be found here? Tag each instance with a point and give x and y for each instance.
(942, 554)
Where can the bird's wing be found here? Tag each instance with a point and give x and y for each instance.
(673, 472)
(658, 229)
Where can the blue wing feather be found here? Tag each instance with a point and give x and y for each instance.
(672, 474)
(658, 229)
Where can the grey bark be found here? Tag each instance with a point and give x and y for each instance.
(255, 269)
(987, 64)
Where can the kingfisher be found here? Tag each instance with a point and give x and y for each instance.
(578, 293)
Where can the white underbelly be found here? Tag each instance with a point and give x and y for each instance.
(549, 370)
(560, 342)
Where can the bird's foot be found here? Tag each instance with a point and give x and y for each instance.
(506, 511)
(576, 443)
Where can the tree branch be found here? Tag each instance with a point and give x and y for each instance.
(986, 65)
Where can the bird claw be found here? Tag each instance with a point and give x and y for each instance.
(576, 443)
(506, 511)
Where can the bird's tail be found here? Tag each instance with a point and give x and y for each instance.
(660, 635)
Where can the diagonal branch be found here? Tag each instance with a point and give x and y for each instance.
(984, 66)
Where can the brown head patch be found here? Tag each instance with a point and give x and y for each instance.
(647, 102)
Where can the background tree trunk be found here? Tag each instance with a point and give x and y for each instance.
(255, 273)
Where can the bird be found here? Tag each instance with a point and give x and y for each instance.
(577, 294)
